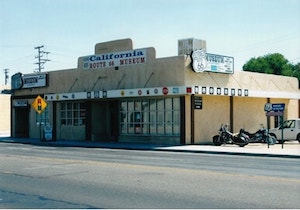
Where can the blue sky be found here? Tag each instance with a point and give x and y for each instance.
(70, 28)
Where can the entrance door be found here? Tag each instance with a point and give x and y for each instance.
(21, 122)
(104, 121)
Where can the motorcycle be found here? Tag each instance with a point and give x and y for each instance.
(226, 137)
(261, 136)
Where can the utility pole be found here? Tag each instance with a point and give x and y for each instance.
(41, 60)
(6, 75)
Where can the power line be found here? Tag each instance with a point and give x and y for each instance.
(41, 60)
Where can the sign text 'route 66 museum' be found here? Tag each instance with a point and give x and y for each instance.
(124, 94)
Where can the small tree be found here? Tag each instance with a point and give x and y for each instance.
(273, 64)
(296, 71)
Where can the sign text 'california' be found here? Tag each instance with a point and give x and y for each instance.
(115, 59)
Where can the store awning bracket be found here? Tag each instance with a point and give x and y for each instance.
(213, 79)
(120, 81)
(73, 85)
(236, 81)
(146, 83)
(97, 82)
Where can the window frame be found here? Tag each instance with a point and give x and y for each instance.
(72, 113)
(150, 116)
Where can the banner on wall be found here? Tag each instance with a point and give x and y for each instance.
(20, 80)
(202, 61)
(33, 81)
(115, 59)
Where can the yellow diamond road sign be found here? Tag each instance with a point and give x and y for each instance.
(39, 104)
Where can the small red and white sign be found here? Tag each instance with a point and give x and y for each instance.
(165, 90)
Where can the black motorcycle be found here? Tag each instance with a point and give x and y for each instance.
(226, 137)
(261, 136)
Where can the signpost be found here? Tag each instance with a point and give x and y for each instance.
(39, 104)
(276, 110)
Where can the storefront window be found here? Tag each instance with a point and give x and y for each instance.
(72, 113)
(150, 116)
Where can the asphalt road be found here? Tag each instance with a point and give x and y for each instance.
(66, 177)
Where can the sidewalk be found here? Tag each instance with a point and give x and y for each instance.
(290, 149)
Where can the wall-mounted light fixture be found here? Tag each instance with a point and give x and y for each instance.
(239, 92)
(225, 91)
(104, 94)
(232, 91)
(196, 89)
(96, 94)
(211, 90)
(88, 94)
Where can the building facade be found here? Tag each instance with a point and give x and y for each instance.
(5, 110)
(128, 95)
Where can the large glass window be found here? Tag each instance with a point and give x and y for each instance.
(72, 113)
(159, 116)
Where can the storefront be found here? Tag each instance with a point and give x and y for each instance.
(128, 95)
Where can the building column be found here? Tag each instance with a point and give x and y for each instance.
(187, 120)
(231, 116)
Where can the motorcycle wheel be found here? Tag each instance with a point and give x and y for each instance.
(244, 143)
(217, 140)
(271, 140)
(274, 139)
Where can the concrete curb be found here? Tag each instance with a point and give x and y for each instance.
(232, 153)
(256, 150)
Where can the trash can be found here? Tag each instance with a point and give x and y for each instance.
(48, 133)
